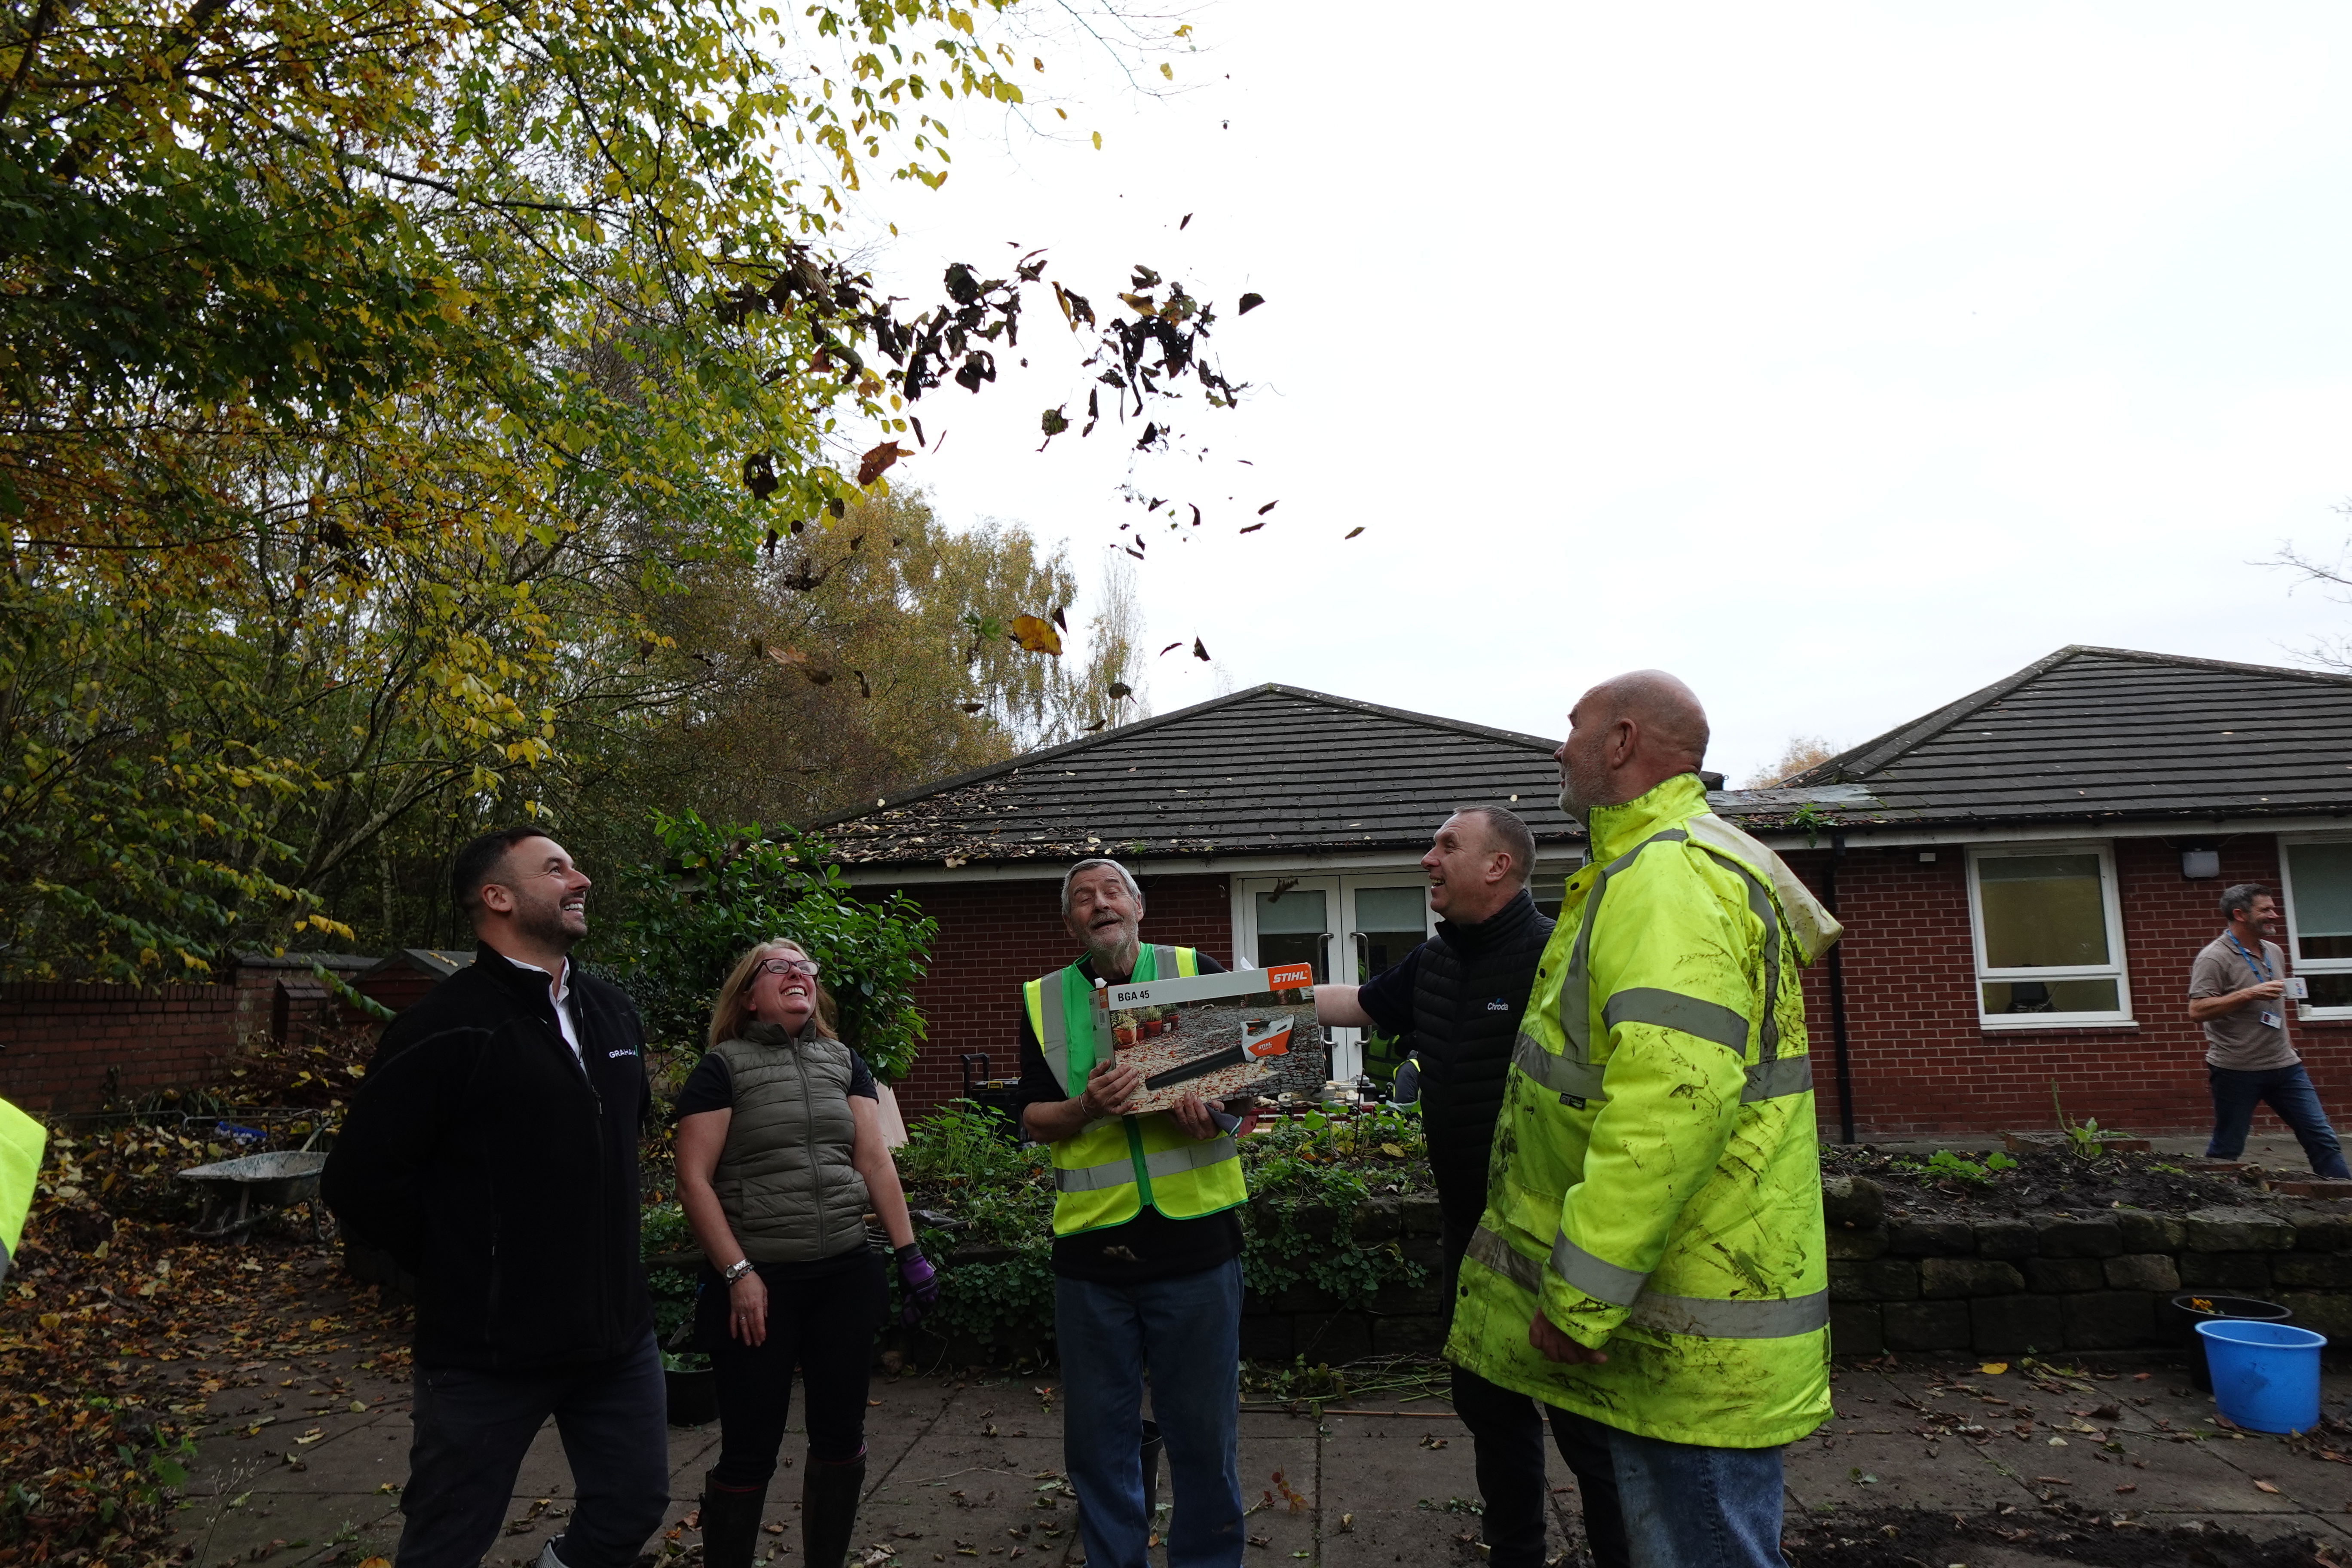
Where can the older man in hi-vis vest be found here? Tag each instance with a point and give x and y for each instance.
(1146, 1247)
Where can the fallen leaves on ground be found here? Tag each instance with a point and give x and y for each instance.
(117, 1326)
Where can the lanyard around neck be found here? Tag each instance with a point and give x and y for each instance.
(2261, 966)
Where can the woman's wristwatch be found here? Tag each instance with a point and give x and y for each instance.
(735, 1271)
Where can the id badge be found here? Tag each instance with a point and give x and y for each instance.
(2272, 1021)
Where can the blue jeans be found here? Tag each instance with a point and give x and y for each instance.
(1688, 1507)
(2288, 1091)
(470, 1429)
(1188, 1328)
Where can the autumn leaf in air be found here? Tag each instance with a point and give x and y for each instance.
(1120, 691)
(1199, 651)
(1267, 507)
(1253, 527)
(1171, 647)
(1353, 532)
(1037, 634)
(1250, 302)
(870, 467)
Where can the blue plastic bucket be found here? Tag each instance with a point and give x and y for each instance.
(2265, 1375)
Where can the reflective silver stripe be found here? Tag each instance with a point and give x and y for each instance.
(1773, 1080)
(1575, 990)
(1673, 1010)
(1812, 928)
(1597, 1278)
(1761, 1320)
(1163, 962)
(1759, 904)
(1190, 1157)
(1780, 1319)
(1497, 1254)
(1118, 1172)
(1055, 1041)
(1581, 1080)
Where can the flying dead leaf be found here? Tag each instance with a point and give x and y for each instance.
(1054, 423)
(1353, 532)
(1186, 224)
(1253, 527)
(788, 656)
(972, 707)
(1060, 622)
(1171, 647)
(760, 475)
(1267, 507)
(2266, 1487)
(1199, 651)
(1250, 302)
(1142, 303)
(1037, 634)
(871, 467)
(1120, 691)
(1097, 725)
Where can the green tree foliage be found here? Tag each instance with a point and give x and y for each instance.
(716, 891)
(386, 389)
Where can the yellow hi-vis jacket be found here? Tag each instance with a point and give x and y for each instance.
(1656, 1182)
(21, 1140)
(1106, 1172)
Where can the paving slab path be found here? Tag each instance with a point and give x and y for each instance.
(304, 1466)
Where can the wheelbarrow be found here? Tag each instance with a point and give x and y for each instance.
(239, 1193)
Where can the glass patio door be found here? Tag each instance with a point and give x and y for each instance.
(1347, 928)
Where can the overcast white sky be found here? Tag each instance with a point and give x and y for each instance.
(1839, 358)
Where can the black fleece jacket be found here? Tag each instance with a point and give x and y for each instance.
(502, 1172)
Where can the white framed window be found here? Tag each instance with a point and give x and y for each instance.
(2315, 883)
(2049, 936)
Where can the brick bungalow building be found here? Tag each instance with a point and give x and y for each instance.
(1274, 823)
(2024, 874)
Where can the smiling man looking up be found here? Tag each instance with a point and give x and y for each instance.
(1147, 1248)
(1651, 1259)
(492, 1150)
(1455, 1002)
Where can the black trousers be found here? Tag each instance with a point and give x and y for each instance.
(825, 1328)
(471, 1428)
(1507, 1429)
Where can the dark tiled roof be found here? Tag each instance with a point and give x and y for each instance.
(1274, 768)
(2103, 733)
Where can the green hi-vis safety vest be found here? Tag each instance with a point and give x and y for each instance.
(1655, 1186)
(21, 1140)
(1113, 1166)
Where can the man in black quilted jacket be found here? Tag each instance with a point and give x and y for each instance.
(492, 1150)
(1455, 1002)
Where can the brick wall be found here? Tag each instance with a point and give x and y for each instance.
(1922, 1065)
(69, 1048)
(996, 935)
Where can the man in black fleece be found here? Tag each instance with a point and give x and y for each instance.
(1455, 1002)
(492, 1150)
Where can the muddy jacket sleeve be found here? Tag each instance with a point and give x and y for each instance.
(1672, 993)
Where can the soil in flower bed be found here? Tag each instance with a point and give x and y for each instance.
(2044, 1181)
(1897, 1536)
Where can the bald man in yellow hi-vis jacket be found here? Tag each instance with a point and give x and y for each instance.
(1651, 1259)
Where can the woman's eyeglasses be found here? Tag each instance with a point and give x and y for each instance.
(788, 966)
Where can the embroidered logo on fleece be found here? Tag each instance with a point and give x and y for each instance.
(611, 1053)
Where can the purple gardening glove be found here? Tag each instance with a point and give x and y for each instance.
(922, 1283)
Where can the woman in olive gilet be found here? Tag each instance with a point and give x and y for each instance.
(780, 1156)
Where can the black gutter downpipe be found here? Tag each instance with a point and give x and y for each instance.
(1837, 997)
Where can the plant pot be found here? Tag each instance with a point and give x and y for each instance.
(693, 1396)
(2181, 1319)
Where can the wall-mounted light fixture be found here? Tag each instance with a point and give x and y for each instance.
(2200, 865)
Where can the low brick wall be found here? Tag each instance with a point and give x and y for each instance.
(1400, 1320)
(2072, 1281)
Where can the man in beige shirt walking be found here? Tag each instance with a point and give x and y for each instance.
(2237, 989)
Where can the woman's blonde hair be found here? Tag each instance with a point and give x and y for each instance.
(735, 994)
